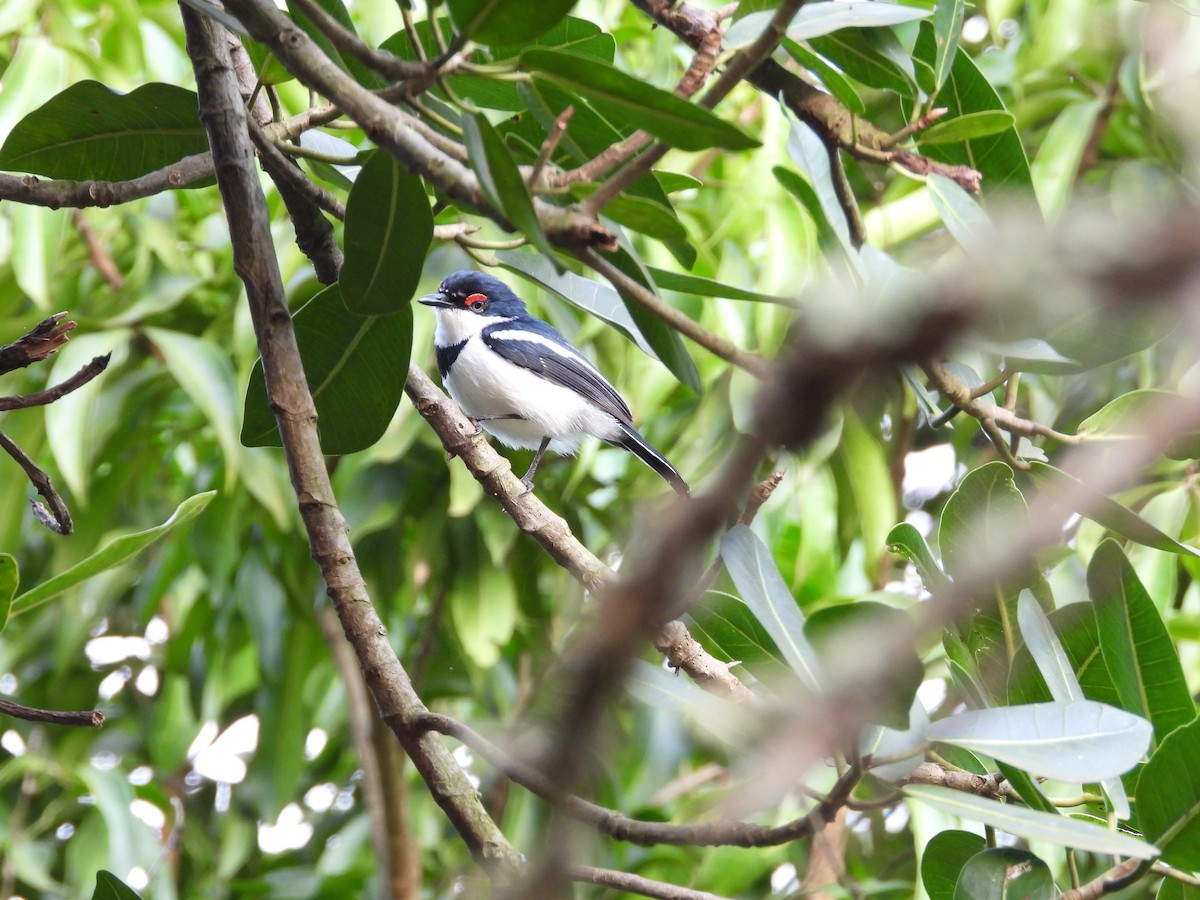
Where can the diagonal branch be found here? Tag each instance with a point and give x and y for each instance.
(224, 118)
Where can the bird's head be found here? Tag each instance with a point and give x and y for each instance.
(474, 292)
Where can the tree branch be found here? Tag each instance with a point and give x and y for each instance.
(636, 884)
(91, 718)
(43, 339)
(224, 118)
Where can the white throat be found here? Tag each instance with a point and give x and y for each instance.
(457, 325)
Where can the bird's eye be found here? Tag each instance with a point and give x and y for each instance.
(476, 302)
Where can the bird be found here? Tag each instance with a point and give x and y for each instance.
(522, 381)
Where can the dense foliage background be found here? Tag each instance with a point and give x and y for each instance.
(1027, 254)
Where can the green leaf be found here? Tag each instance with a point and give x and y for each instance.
(356, 367)
(763, 589)
(999, 157)
(9, 578)
(663, 114)
(796, 185)
(111, 554)
(838, 84)
(484, 615)
(592, 297)
(728, 629)
(501, 180)
(1056, 165)
(821, 18)
(904, 540)
(1028, 790)
(1060, 487)
(1168, 797)
(506, 21)
(90, 131)
(838, 633)
(1004, 872)
(1078, 741)
(571, 35)
(665, 340)
(647, 217)
(1031, 824)
(1128, 416)
(707, 287)
(963, 217)
(1059, 673)
(967, 127)
(1027, 354)
(725, 721)
(947, 29)
(110, 887)
(389, 228)
(852, 51)
(1075, 627)
(1137, 649)
(204, 372)
(860, 465)
(985, 512)
(943, 858)
(267, 68)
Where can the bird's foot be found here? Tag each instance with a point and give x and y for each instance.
(475, 420)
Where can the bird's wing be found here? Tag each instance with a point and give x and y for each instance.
(558, 362)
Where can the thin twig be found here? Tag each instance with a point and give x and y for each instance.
(637, 884)
(76, 381)
(57, 518)
(346, 42)
(97, 252)
(91, 718)
(549, 145)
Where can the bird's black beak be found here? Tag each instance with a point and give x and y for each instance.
(435, 299)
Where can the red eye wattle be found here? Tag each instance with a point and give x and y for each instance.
(476, 301)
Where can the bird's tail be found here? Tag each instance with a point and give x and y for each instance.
(640, 447)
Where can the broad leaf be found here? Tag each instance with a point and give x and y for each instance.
(389, 228)
(90, 131)
(904, 540)
(663, 114)
(506, 21)
(110, 887)
(985, 512)
(943, 858)
(1079, 741)
(1128, 416)
(111, 554)
(1137, 649)
(1031, 824)
(728, 629)
(1005, 872)
(356, 367)
(766, 593)
(1168, 797)
(853, 52)
(963, 217)
(501, 180)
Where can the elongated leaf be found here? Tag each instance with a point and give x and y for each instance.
(668, 117)
(356, 367)
(707, 287)
(501, 180)
(728, 629)
(389, 228)
(947, 29)
(111, 554)
(90, 131)
(9, 579)
(722, 719)
(943, 858)
(999, 157)
(852, 52)
(1075, 627)
(766, 593)
(1127, 417)
(506, 21)
(1031, 824)
(647, 217)
(821, 18)
(591, 296)
(1028, 790)
(809, 153)
(968, 126)
(963, 217)
(837, 83)
(1137, 649)
(1078, 741)
(1059, 673)
(1057, 163)
(1168, 797)
(1005, 872)
(796, 185)
(362, 73)
(484, 617)
(207, 377)
(1104, 510)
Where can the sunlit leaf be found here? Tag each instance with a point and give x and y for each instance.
(821, 18)
(1168, 797)
(506, 21)
(943, 858)
(1005, 872)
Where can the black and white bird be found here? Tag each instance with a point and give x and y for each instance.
(522, 381)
